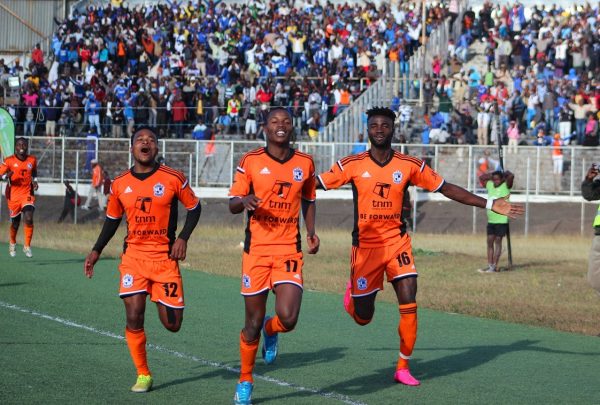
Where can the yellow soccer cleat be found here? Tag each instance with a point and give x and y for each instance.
(143, 383)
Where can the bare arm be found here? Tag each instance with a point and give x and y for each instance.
(459, 194)
(590, 189)
(509, 178)
(499, 206)
(238, 204)
(485, 177)
(309, 210)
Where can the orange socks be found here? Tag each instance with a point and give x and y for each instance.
(247, 358)
(12, 232)
(274, 325)
(359, 320)
(407, 329)
(28, 234)
(136, 341)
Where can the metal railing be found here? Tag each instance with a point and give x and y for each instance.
(213, 163)
(398, 78)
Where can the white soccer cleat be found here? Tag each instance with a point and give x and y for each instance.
(27, 251)
(12, 249)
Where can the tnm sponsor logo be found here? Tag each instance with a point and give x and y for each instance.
(145, 219)
(280, 205)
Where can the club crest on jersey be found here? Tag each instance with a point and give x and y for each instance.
(159, 190)
(397, 176)
(29, 166)
(246, 280)
(361, 283)
(127, 281)
(298, 174)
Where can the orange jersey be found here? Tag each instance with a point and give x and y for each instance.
(378, 193)
(24, 171)
(149, 203)
(274, 228)
(97, 178)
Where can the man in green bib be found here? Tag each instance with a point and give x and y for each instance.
(590, 190)
(498, 185)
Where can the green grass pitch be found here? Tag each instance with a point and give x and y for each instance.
(61, 342)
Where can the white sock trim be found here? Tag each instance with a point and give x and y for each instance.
(403, 356)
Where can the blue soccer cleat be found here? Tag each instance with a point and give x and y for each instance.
(269, 349)
(243, 393)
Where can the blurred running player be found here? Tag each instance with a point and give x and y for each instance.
(380, 244)
(20, 170)
(272, 183)
(147, 196)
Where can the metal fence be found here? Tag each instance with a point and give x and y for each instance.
(213, 163)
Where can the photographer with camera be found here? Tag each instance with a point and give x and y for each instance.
(590, 190)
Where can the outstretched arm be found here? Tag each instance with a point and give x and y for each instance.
(499, 205)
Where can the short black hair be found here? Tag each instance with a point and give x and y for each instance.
(275, 109)
(142, 128)
(22, 138)
(384, 111)
(498, 173)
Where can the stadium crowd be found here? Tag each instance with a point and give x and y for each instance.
(539, 84)
(211, 68)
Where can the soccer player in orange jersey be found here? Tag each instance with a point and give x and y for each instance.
(272, 184)
(20, 170)
(380, 244)
(147, 196)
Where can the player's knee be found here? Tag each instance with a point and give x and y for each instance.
(363, 316)
(362, 321)
(252, 328)
(135, 324)
(289, 322)
(173, 327)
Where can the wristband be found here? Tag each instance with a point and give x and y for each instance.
(35, 179)
(489, 204)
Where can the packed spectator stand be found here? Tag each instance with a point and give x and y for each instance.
(208, 69)
(540, 74)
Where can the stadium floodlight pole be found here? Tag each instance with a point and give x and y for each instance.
(501, 160)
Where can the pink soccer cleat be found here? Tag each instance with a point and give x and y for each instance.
(403, 376)
(348, 297)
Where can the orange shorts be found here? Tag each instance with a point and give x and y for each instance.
(18, 201)
(262, 273)
(368, 265)
(161, 279)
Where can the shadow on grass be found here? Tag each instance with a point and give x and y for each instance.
(475, 356)
(224, 374)
(469, 357)
(284, 361)
(295, 360)
(11, 284)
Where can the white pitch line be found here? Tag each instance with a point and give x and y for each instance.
(330, 395)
